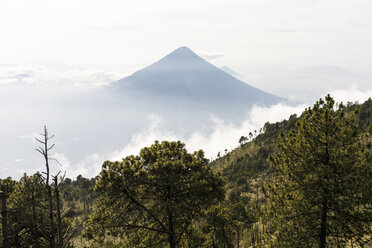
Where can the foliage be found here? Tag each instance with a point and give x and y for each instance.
(78, 195)
(238, 221)
(364, 113)
(250, 159)
(152, 199)
(6, 188)
(28, 215)
(321, 194)
(218, 227)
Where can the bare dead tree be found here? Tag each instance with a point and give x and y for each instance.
(4, 219)
(63, 238)
(43, 150)
(58, 202)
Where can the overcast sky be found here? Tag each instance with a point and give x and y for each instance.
(53, 53)
(124, 36)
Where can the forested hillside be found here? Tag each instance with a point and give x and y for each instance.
(301, 182)
(250, 159)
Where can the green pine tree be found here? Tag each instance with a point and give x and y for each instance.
(321, 194)
(151, 200)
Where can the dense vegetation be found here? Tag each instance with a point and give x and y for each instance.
(320, 192)
(301, 182)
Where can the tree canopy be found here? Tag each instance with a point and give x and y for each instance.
(321, 195)
(315, 191)
(152, 199)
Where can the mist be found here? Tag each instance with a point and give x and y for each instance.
(92, 126)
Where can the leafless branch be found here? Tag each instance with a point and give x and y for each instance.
(73, 232)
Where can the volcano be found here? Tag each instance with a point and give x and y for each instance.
(182, 75)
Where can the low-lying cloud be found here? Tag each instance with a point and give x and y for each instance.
(223, 135)
(36, 75)
(91, 128)
(351, 95)
(212, 56)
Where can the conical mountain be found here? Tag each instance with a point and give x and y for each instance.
(182, 74)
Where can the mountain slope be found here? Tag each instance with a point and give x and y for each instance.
(250, 160)
(184, 75)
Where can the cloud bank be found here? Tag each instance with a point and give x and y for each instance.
(91, 129)
(223, 135)
(351, 95)
(41, 75)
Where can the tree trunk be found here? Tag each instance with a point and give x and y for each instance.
(4, 218)
(51, 219)
(238, 237)
(171, 234)
(171, 238)
(47, 185)
(253, 236)
(59, 219)
(35, 235)
(323, 223)
(323, 226)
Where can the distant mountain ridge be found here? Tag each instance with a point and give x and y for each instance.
(182, 74)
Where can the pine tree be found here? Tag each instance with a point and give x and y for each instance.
(151, 200)
(321, 195)
(28, 214)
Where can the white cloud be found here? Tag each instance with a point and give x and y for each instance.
(40, 75)
(60, 162)
(89, 166)
(25, 116)
(224, 135)
(30, 137)
(246, 30)
(145, 138)
(211, 56)
(351, 95)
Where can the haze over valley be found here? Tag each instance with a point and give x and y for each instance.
(111, 77)
(97, 116)
(185, 123)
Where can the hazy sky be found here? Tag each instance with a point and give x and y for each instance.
(126, 35)
(53, 54)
